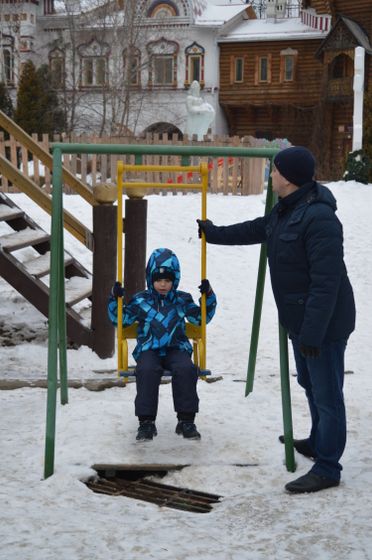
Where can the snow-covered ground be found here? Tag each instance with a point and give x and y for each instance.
(238, 457)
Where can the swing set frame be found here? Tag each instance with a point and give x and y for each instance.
(57, 339)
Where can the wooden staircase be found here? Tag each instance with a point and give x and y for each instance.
(28, 270)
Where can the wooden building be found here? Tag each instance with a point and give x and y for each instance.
(293, 78)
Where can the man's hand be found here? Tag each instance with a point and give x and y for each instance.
(202, 226)
(310, 351)
(205, 287)
(117, 290)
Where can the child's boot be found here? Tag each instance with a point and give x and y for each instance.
(188, 430)
(146, 430)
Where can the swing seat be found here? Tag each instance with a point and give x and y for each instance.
(193, 332)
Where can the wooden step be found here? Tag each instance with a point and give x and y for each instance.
(8, 213)
(25, 238)
(77, 288)
(40, 266)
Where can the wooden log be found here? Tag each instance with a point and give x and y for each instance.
(135, 246)
(104, 275)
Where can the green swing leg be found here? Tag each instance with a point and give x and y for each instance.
(286, 400)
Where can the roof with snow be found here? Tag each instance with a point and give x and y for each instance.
(217, 15)
(268, 30)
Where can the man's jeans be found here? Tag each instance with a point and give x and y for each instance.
(322, 378)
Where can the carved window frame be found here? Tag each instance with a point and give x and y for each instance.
(57, 68)
(287, 55)
(194, 52)
(259, 67)
(168, 51)
(8, 67)
(94, 58)
(238, 70)
(133, 55)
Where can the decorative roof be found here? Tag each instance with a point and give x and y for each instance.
(358, 32)
(356, 37)
(199, 6)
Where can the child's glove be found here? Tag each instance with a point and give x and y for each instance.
(205, 287)
(202, 226)
(117, 290)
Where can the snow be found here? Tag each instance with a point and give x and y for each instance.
(238, 457)
(219, 14)
(268, 30)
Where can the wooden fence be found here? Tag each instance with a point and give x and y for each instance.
(241, 176)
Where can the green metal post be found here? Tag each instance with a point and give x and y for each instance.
(62, 335)
(286, 400)
(259, 297)
(53, 315)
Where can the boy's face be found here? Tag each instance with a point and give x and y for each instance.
(163, 286)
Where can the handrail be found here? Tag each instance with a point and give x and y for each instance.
(26, 185)
(67, 177)
(140, 150)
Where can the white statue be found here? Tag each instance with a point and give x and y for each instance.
(200, 114)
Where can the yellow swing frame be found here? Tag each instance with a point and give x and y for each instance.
(198, 334)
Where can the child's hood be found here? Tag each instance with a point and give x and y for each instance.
(163, 258)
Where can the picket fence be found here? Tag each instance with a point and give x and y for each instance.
(228, 175)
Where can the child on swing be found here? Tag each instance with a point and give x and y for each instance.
(161, 311)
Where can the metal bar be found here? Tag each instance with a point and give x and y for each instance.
(259, 298)
(203, 354)
(286, 400)
(166, 149)
(120, 171)
(53, 317)
(190, 168)
(161, 494)
(169, 186)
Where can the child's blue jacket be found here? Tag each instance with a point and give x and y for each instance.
(161, 319)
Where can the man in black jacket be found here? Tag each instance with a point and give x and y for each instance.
(314, 298)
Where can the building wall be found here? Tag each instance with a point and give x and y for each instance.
(304, 90)
(150, 104)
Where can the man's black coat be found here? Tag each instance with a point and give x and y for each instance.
(305, 253)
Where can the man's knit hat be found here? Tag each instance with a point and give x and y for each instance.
(296, 164)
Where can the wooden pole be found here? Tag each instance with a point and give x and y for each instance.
(135, 229)
(104, 276)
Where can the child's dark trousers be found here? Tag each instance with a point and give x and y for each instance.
(149, 370)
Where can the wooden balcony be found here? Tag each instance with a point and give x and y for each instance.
(340, 88)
